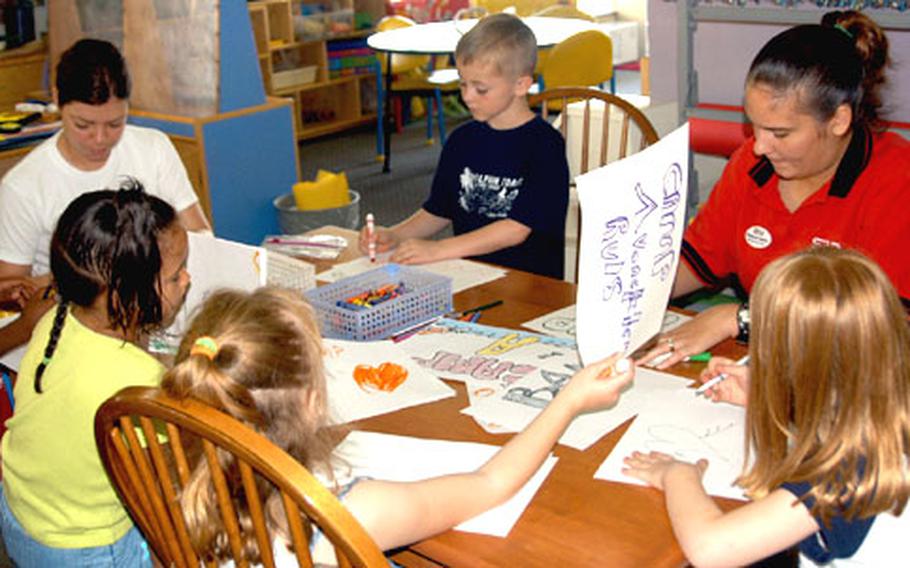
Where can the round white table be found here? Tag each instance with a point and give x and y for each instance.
(440, 38)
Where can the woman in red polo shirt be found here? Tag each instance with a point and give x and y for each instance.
(818, 171)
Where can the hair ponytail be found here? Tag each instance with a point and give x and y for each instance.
(258, 358)
(59, 320)
(872, 46)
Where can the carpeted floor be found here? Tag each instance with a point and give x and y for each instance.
(391, 197)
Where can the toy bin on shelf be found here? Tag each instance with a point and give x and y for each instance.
(426, 295)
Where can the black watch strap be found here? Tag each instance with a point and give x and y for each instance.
(743, 322)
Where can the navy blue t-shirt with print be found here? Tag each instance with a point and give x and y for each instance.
(485, 175)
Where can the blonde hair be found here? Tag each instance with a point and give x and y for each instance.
(265, 371)
(503, 40)
(829, 391)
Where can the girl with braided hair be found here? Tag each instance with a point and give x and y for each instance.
(118, 260)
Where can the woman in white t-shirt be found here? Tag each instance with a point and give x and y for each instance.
(95, 149)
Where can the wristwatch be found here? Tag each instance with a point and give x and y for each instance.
(742, 322)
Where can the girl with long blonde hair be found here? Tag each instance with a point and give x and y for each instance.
(258, 357)
(827, 391)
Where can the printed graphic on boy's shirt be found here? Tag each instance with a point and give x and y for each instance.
(488, 195)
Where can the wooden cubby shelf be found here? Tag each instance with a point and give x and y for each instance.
(308, 53)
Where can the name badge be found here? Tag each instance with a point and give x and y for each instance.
(758, 237)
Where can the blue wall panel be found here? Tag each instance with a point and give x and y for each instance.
(241, 79)
(250, 161)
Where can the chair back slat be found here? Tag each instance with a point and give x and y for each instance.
(624, 138)
(150, 474)
(153, 494)
(605, 134)
(130, 474)
(228, 513)
(260, 529)
(168, 487)
(299, 537)
(183, 467)
(585, 134)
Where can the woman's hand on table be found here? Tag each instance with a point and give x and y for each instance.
(386, 240)
(734, 389)
(654, 467)
(699, 334)
(598, 385)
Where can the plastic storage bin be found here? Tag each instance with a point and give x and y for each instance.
(428, 295)
(293, 221)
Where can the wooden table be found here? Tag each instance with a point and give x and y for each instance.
(574, 520)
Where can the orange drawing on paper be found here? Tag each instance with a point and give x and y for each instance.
(386, 377)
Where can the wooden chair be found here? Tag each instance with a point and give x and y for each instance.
(623, 130)
(149, 475)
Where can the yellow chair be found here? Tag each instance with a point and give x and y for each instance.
(558, 11)
(522, 7)
(410, 76)
(582, 60)
(150, 475)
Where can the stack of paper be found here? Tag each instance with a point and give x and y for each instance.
(464, 273)
(511, 376)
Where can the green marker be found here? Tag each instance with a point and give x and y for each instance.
(701, 357)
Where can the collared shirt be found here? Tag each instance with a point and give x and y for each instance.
(744, 225)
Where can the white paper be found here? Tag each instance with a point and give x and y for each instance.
(689, 428)
(464, 273)
(348, 401)
(12, 358)
(212, 264)
(524, 400)
(561, 323)
(401, 458)
(633, 212)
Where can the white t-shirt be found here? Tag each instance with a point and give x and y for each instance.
(38, 189)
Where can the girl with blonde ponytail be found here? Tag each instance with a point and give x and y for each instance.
(258, 356)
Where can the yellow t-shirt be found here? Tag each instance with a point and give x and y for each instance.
(52, 473)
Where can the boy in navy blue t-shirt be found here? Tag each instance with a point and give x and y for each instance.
(502, 179)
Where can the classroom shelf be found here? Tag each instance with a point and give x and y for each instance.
(322, 105)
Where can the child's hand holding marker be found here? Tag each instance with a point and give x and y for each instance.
(381, 238)
(715, 385)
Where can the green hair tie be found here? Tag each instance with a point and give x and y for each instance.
(205, 346)
(46, 361)
(843, 29)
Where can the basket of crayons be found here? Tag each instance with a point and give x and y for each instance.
(377, 304)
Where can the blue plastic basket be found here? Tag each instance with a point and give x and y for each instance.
(428, 295)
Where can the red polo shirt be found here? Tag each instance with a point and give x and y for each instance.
(744, 225)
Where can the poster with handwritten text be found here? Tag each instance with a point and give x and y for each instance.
(633, 212)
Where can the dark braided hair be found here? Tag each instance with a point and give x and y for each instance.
(91, 71)
(107, 242)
